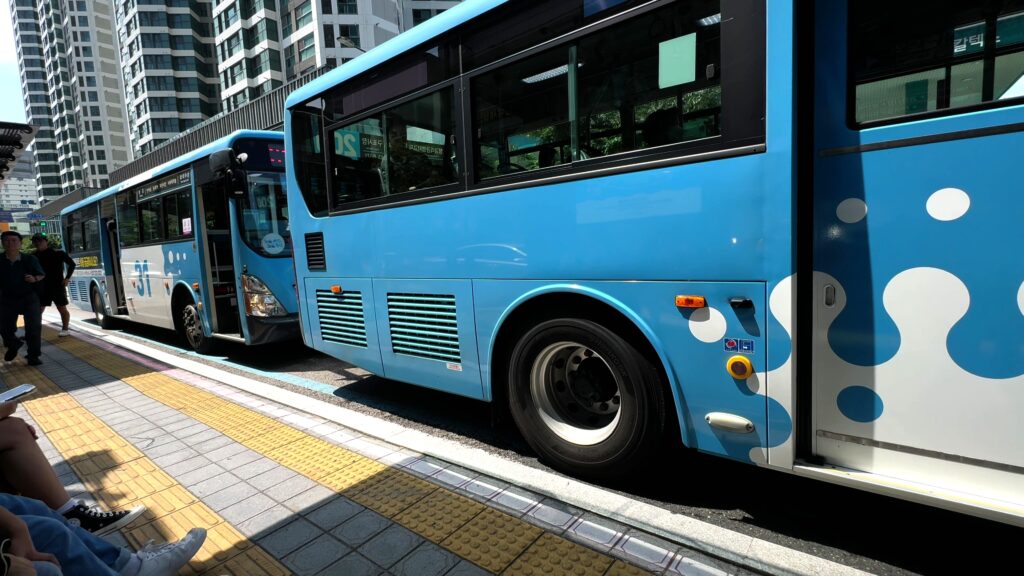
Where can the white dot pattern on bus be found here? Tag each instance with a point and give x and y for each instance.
(852, 210)
(707, 324)
(948, 204)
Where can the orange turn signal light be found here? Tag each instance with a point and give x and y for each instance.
(195, 285)
(336, 289)
(691, 302)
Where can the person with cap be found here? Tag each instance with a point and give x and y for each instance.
(20, 278)
(58, 267)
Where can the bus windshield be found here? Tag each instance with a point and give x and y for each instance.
(264, 215)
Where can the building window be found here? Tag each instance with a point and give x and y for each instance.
(307, 48)
(303, 14)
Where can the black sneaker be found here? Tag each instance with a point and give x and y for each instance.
(12, 351)
(100, 523)
(34, 361)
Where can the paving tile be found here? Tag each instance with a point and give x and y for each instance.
(334, 512)
(553, 515)
(428, 560)
(175, 457)
(210, 445)
(289, 488)
(426, 466)
(202, 474)
(248, 508)
(229, 496)
(361, 528)
(691, 567)
(483, 488)
(515, 500)
(266, 522)
(289, 537)
(309, 500)
(254, 468)
(212, 485)
(186, 466)
(596, 532)
(464, 568)
(316, 556)
(226, 451)
(239, 459)
(272, 477)
(354, 564)
(645, 550)
(390, 546)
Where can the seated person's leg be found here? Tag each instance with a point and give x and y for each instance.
(52, 536)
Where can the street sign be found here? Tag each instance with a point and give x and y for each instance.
(35, 216)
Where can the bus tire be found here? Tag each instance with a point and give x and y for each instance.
(98, 310)
(585, 399)
(190, 325)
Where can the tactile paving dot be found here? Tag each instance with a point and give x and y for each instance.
(50, 420)
(492, 539)
(352, 475)
(438, 515)
(553, 555)
(390, 492)
(274, 439)
(166, 502)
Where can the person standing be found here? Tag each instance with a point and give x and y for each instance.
(20, 275)
(58, 267)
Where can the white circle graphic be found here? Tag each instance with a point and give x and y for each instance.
(948, 204)
(707, 325)
(1020, 298)
(852, 210)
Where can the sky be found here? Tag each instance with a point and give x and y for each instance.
(12, 106)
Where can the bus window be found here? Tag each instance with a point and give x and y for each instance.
(519, 110)
(651, 81)
(151, 221)
(91, 234)
(907, 60)
(417, 152)
(309, 157)
(265, 215)
(127, 219)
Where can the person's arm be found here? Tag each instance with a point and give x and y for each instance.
(21, 540)
(7, 408)
(34, 269)
(69, 263)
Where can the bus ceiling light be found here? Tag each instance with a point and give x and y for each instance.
(710, 20)
(684, 301)
(259, 300)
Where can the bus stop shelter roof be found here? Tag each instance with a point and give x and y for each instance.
(14, 138)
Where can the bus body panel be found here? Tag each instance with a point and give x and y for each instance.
(341, 320)
(694, 345)
(918, 365)
(150, 273)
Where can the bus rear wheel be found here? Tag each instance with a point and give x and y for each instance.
(584, 398)
(99, 311)
(191, 327)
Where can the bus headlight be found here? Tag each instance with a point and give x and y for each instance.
(259, 300)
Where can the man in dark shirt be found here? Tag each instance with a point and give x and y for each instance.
(19, 276)
(58, 267)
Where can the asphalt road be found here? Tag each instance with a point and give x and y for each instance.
(873, 533)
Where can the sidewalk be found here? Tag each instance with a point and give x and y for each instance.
(281, 491)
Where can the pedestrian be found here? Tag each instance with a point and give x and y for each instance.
(25, 471)
(20, 278)
(58, 267)
(43, 537)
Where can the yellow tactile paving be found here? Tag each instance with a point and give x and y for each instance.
(119, 476)
(389, 492)
(439, 515)
(487, 537)
(553, 555)
(492, 539)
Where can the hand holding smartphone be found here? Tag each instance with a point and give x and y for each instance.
(16, 393)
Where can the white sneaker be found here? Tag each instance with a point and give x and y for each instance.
(167, 559)
(64, 333)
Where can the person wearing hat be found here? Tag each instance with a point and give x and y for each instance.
(20, 277)
(58, 267)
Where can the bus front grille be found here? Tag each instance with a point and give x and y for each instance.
(341, 317)
(316, 257)
(424, 325)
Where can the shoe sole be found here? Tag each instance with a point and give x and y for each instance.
(128, 518)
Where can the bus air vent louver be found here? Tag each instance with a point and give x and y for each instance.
(341, 317)
(424, 325)
(316, 258)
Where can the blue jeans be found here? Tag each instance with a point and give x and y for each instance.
(78, 551)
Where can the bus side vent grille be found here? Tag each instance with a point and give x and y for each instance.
(341, 317)
(316, 258)
(73, 290)
(424, 325)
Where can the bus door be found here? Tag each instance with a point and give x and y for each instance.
(111, 256)
(918, 314)
(219, 265)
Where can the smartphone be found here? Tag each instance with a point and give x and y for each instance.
(17, 393)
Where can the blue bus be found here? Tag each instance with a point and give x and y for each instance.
(200, 245)
(781, 233)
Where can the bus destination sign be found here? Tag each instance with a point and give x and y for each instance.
(166, 184)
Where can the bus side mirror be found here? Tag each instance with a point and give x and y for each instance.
(225, 164)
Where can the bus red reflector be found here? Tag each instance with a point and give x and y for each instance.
(336, 289)
(691, 302)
